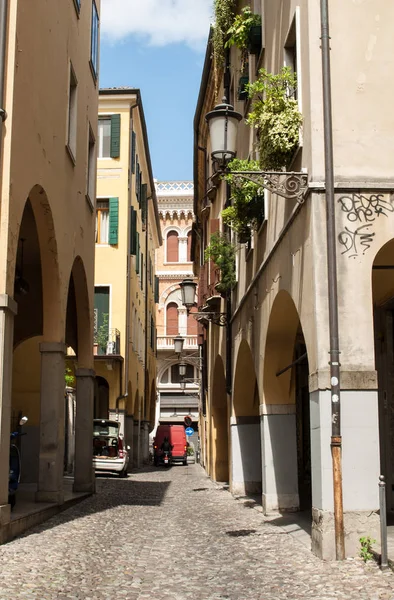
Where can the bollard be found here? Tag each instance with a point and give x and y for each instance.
(383, 523)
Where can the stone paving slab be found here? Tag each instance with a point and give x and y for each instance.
(172, 534)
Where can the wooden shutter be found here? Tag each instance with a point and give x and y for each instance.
(172, 319)
(137, 181)
(133, 149)
(192, 324)
(137, 255)
(144, 193)
(113, 221)
(142, 271)
(133, 231)
(115, 136)
(172, 247)
(157, 290)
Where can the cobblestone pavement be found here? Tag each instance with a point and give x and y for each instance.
(173, 535)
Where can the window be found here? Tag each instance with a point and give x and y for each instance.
(172, 319)
(189, 246)
(91, 178)
(292, 53)
(109, 137)
(94, 51)
(107, 217)
(172, 247)
(72, 115)
(101, 318)
(102, 221)
(164, 377)
(104, 137)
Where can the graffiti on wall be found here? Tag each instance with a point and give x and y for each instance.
(361, 212)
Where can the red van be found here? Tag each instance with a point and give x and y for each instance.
(177, 438)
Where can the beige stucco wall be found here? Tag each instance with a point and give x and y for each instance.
(43, 39)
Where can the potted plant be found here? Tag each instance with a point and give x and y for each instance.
(247, 202)
(245, 33)
(101, 336)
(222, 252)
(276, 117)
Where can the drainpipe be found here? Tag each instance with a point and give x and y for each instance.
(336, 438)
(146, 307)
(3, 40)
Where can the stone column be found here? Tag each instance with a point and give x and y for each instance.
(136, 439)
(360, 470)
(145, 441)
(279, 457)
(8, 309)
(129, 438)
(52, 415)
(182, 241)
(182, 321)
(84, 480)
(246, 456)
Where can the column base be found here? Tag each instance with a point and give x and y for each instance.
(85, 488)
(5, 514)
(52, 497)
(246, 488)
(357, 524)
(275, 503)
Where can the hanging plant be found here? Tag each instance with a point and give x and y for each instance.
(222, 252)
(240, 32)
(276, 117)
(247, 202)
(224, 17)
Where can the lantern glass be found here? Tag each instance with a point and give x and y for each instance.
(223, 126)
(178, 344)
(183, 385)
(182, 369)
(188, 291)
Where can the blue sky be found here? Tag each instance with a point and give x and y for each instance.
(159, 46)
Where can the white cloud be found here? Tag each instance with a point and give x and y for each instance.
(161, 22)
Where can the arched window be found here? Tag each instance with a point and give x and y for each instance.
(164, 377)
(172, 319)
(192, 325)
(172, 247)
(189, 246)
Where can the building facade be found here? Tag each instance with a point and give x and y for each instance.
(173, 263)
(127, 236)
(268, 415)
(47, 179)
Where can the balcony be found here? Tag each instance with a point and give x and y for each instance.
(107, 345)
(166, 342)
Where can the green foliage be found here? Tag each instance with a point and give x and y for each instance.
(276, 117)
(190, 451)
(366, 552)
(222, 252)
(69, 377)
(224, 17)
(240, 29)
(247, 209)
(101, 336)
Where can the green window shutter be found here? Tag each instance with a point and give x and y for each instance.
(142, 271)
(156, 289)
(133, 149)
(115, 136)
(144, 193)
(133, 231)
(137, 182)
(113, 221)
(137, 255)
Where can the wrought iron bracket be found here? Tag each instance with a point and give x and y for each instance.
(217, 318)
(291, 185)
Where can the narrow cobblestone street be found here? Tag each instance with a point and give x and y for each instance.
(172, 535)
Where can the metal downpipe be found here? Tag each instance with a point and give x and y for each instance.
(3, 40)
(336, 439)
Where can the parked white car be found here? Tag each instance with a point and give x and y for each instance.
(109, 454)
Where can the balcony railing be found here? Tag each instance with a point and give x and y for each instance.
(166, 342)
(107, 345)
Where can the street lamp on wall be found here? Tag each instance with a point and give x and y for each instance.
(182, 368)
(223, 124)
(188, 291)
(178, 344)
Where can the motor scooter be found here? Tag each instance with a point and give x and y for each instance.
(15, 465)
(166, 458)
